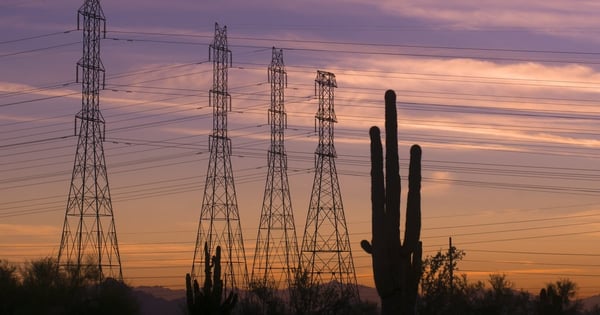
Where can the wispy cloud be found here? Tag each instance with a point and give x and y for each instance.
(552, 17)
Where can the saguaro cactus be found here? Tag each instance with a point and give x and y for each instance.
(209, 299)
(396, 264)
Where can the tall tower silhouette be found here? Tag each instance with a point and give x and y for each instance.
(219, 218)
(276, 255)
(89, 235)
(326, 253)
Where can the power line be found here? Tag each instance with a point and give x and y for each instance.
(365, 52)
(510, 230)
(11, 41)
(36, 89)
(359, 43)
(441, 76)
(520, 170)
(39, 49)
(526, 171)
(521, 238)
(512, 222)
(531, 253)
(38, 99)
(34, 142)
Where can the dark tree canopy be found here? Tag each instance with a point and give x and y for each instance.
(40, 287)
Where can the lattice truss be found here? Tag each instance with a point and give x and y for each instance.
(326, 252)
(219, 217)
(276, 254)
(89, 235)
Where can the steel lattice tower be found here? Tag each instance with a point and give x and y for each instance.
(219, 218)
(276, 255)
(326, 253)
(89, 235)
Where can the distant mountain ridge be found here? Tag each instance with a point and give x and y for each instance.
(157, 300)
(160, 300)
(590, 302)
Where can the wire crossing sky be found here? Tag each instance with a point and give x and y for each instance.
(502, 97)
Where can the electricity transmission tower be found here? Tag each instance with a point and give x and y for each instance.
(219, 218)
(325, 253)
(89, 235)
(276, 255)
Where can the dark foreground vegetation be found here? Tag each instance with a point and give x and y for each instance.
(39, 287)
(304, 297)
(443, 291)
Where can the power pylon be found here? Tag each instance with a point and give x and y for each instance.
(326, 254)
(219, 218)
(276, 254)
(89, 235)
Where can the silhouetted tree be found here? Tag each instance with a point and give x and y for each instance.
(45, 289)
(567, 290)
(594, 311)
(443, 289)
(107, 297)
(262, 298)
(40, 287)
(500, 285)
(303, 298)
(502, 298)
(8, 287)
(446, 292)
(559, 298)
(309, 298)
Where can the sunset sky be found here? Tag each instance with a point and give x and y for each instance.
(501, 95)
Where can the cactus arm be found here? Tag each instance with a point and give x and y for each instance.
(378, 215)
(412, 230)
(377, 191)
(380, 244)
(207, 280)
(412, 247)
(189, 293)
(197, 297)
(217, 282)
(413, 278)
(366, 246)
